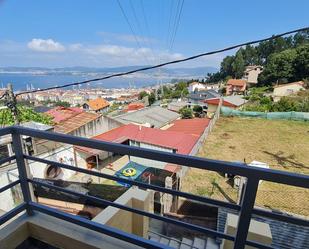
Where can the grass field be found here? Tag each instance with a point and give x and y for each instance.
(284, 145)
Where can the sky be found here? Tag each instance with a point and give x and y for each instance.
(97, 33)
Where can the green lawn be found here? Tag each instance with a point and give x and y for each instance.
(283, 144)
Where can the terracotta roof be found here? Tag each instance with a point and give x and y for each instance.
(75, 122)
(97, 104)
(215, 101)
(179, 141)
(236, 82)
(60, 113)
(135, 106)
(193, 127)
(301, 83)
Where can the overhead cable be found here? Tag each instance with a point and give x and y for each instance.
(169, 62)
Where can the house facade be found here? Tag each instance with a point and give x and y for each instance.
(235, 87)
(98, 105)
(196, 86)
(287, 89)
(234, 102)
(251, 74)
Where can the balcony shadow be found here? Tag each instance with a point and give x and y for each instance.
(282, 160)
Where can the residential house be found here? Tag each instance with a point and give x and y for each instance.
(98, 105)
(251, 74)
(287, 89)
(196, 86)
(153, 116)
(197, 98)
(73, 121)
(235, 86)
(179, 137)
(234, 102)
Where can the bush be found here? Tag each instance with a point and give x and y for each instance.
(186, 113)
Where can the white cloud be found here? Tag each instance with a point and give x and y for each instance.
(129, 54)
(47, 45)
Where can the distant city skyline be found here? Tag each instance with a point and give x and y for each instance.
(97, 34)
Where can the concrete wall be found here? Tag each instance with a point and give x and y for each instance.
(96, 127)
(127, 221)
(6, 198)
(285, 91)
(56, 232)
(64, 154)
(258, 232)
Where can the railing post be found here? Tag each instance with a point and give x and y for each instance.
(247, 204)
(22, 170)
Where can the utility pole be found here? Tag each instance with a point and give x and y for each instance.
(12, 103)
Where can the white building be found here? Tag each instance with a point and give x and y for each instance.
(287, 89)
(196, 86)
(251, 74)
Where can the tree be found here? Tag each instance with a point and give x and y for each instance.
(238, 65)
(142, 94)
(279, 68)
(232, 66)
(186, 113)
(62, 103)
(198, 110)
(301, 62)
(25, 114)
(250, 55)
(151, 98)
(226, 66)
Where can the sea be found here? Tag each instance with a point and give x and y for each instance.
(20, 81)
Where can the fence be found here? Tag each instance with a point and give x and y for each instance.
(207, 131)
(245, 209)
(299, 116)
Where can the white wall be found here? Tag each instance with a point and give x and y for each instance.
(6, 197)
(198, 87)
(148, 162)
(65, 152)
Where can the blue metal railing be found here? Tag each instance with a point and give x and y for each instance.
(245, 208)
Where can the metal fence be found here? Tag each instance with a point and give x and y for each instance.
(245, 209)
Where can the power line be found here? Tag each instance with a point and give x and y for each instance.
(169, 62)
(139, 26)
(177, 25)
(131, 28)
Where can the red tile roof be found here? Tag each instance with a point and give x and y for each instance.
(60, 113)
(215, 101)
(236, 82)
(97, 104)
(193, 127)
(135, 107)
(179, 141)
